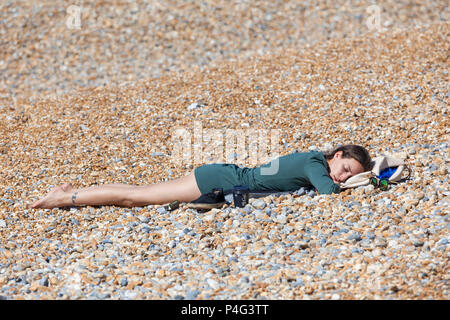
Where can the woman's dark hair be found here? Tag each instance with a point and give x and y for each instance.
(356, 152)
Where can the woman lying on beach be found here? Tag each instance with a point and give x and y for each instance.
(323, 171)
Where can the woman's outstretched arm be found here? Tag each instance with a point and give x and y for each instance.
(183, 189)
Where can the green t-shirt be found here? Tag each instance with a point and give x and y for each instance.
(296, 170)
(293, 171)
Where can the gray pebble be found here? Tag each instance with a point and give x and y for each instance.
(370, 235)
(355, 236)
(259, 204)
(194, 106)
(161, 210)
(381, 242)
(418, 243)
(172, 244)
(156, 154)
(192, 295)
(302, 245)
(143, 219)
(243, 280)
(44, 282)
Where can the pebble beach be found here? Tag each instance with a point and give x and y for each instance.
(92, 93)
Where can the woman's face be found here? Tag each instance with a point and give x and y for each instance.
(343, 168)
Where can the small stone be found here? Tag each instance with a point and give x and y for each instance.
(259, 214)
(43, 282)
(358, 267)
(419, 195)
(302, 245)
(161, 210)
(211, 216)
(212, 283)
(281, 218)
(382, 243)
(259, 204)
(243, 280)
(194, 106)
(2, 223)
(393, 243)
(300, 191)
(172, 244)
(311, 193)
(157, 154)
(309, 290)
(143, 219)
(418, 243)
(191, 295)
(355, 236)
(130, 295)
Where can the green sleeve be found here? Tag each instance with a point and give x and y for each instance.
(317, 175)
